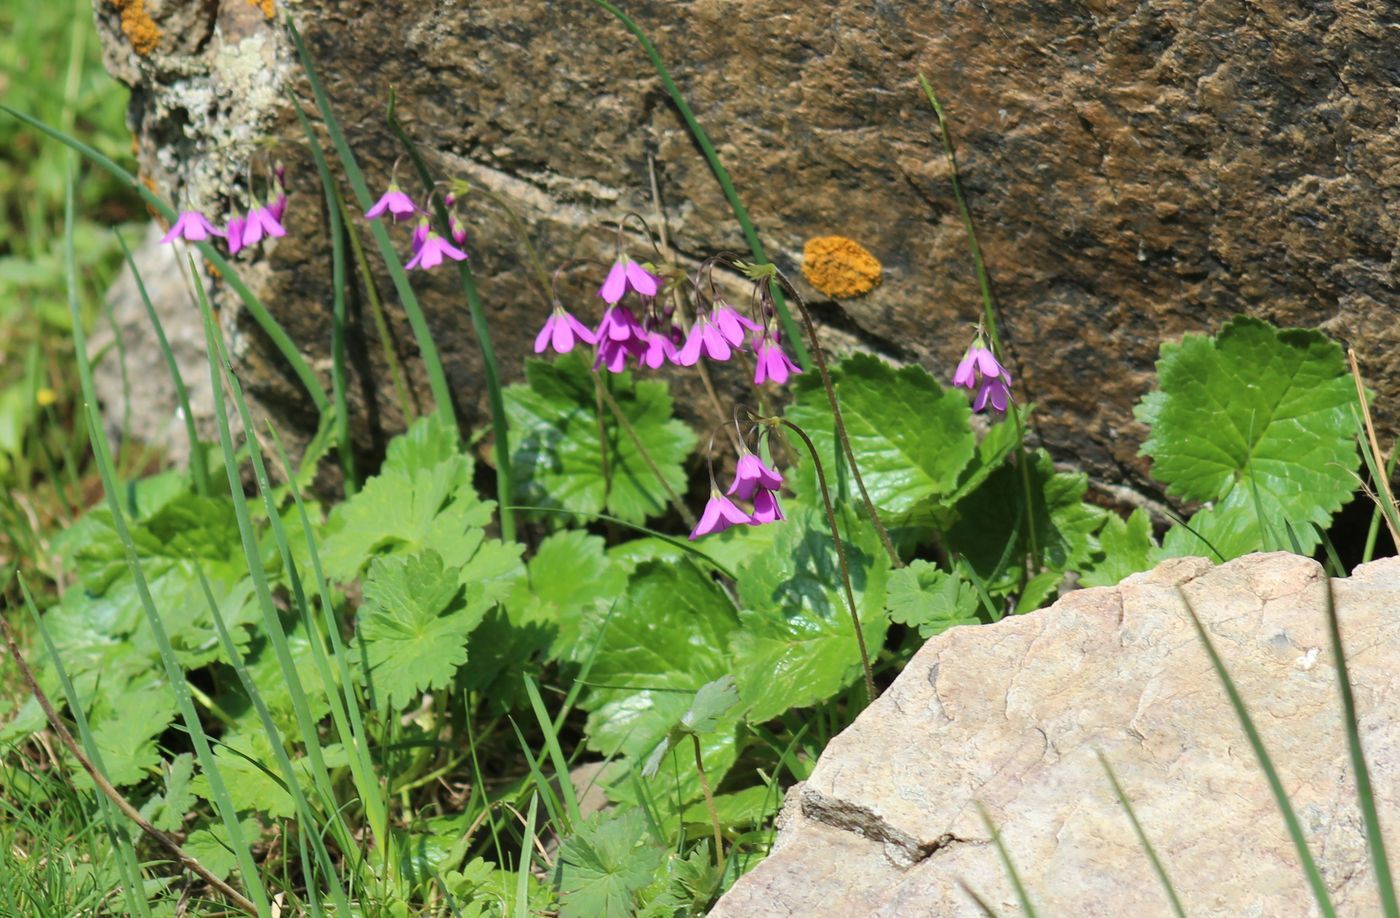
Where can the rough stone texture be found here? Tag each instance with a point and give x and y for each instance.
(1136, 170)
(1010, 715)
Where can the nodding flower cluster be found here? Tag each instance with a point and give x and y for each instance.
(753, 481)
(257, 223)
(981, 372)
(429, 247)
(653, 334)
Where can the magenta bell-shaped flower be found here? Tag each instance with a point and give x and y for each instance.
(659, 352)
(191, 226)
(432, 252)
(980, 371)
(260, 222)
(750, 474)
(765, 508)
(233, 234)
(705, 337)
(996, 392)
(627, 273)
(561, 332)
(732, 324)
(398, 205)
(770, 363)
(719, 514)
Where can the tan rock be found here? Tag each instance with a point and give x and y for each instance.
(1011, 715)
(1136, 170)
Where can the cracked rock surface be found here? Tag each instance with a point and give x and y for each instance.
(1136, 171)
(1011, 715)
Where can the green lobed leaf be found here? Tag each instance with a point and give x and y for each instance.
(1253, 411)
(1127, 547)
(712, 707)
(797, 646)
(910, 436)
(665, 639)
(604, 864)
(414, 625)
(166, 810)
(557, 461)
(923, 596)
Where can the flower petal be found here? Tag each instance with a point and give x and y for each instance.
(542, 339)
(616, 285)
(642, 280)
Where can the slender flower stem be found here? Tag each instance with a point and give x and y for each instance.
(840, 555)
(111, 793)
(642, 451)
(709, 801)
(726, 184)
(840, 424)
(989, 311)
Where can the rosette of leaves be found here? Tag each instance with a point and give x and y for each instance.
(1255, 423)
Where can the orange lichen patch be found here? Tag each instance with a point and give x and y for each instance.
(268, 7)
(839, 267)
(138, 26)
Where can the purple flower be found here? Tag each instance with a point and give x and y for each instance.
(659, 351)
(771, 363)
(420, 235)
(750, 475)
(561, 332)
(620, 324)
(233, 233)
(732, 324)
(720, 513)
(704, 337)
(260, 223)
(978, 360)
(431, 253)
(278, 207)
(980, 371)
(765, 508)
(627, 273)
(191, 226)
(457, 229)
(612, 355)
(996, 391)
(399, 205)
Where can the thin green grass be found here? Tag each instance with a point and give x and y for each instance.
(1151, 852)
(1011, 872)
(1295, 829)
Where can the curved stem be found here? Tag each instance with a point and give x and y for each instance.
(989, 310)
(709, 801)
(100, 781)
(642, 451)
(839, 422)
(840, 557)
(726, 184)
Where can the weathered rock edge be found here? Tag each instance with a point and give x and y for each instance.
(1011, 715)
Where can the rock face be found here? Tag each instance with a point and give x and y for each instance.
(1136, 171)
(1011, 715)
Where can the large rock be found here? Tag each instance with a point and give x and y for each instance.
(1136, 170)
(1011, 716)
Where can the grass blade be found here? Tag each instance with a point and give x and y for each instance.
(226, 270)
(1151, 852)
(199, 465)
(337, 231)
(522, 880)
(173, 671)
(432, 364)
(1365, 797)
(556, 755)
(792, 336)
(1295, 829)
(1016, 883)
(500, 433)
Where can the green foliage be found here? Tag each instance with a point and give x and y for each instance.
(1257, 422)
(558, 460)
(908, 465)
(932, 600)
(605, 864)
(797, 646)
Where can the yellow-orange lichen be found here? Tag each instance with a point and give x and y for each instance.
(268, 7)
(138, 26)
(839, 267)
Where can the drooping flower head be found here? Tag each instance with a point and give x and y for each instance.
(750, 475)
(394, 202)
(625, 274)
(705, 337)
(431, 253)
(191, 226)
(765, 508)
(733, 324)
(233, 234)
(719, 514)
(562, 332)
(260, 222)
(619, 336)
(771, 363)
(980, 371)
(278, 207)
